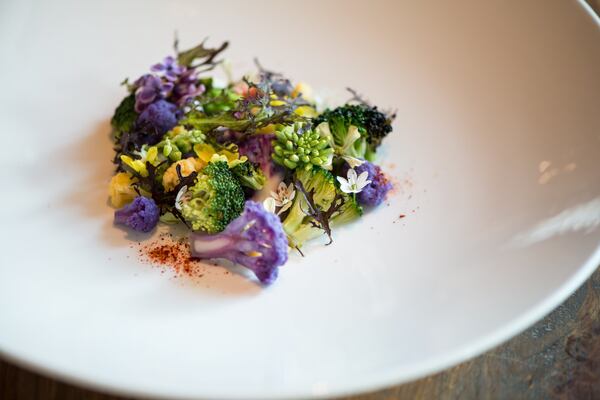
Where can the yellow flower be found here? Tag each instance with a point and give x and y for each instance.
(120, 190)
(149, 154)
(307, 111)
(277, 103)
(138, 166)
(171, 179)
(206, 153)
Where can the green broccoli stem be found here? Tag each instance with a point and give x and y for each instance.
(294, 219)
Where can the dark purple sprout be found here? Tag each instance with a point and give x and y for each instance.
(140, 215)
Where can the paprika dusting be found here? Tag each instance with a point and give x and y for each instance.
(172, 253)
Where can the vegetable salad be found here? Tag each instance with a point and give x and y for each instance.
(253, 168)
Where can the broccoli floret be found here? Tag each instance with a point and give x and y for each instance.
(125, 116)
(319, 206)
(323, 184)
(372, 125)
(249, 175)
(255, 240)
(214, 201)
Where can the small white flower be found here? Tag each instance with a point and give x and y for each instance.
(269, 204)
(284, 196)
(353, 162)
(354, 184)
(180, 196)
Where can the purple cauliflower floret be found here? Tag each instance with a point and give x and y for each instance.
(374, 193)
(141, 214)
(160, 116)
(259, 149)
(255, 239)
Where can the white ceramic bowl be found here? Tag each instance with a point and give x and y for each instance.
(495, 154)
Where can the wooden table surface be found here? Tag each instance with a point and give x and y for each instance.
(558, 358)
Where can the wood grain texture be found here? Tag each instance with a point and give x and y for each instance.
(558, 358)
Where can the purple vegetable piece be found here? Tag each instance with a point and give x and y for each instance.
(169, 68)
(374, 193)
(186, 87)
(259, 148)
(160, 117)
(141, 214)
(255, 239)
(149, 89)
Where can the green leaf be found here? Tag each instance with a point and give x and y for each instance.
(201, 55)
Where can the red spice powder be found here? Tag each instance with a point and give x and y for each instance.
(167, 251)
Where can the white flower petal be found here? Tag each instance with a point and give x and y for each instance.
(352, 175)
(290, 189)
(359, 188)
(346, 189)
(345, 186)
(269, 204)
(353, 162)
(179, 197)
(362, 178)
(284, 208)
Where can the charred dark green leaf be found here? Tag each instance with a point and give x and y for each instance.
(200, 56)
